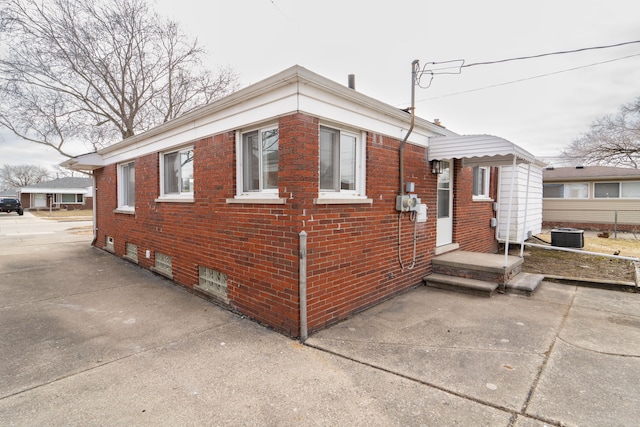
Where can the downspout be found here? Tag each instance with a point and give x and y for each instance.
(303, 286)
(95, 205)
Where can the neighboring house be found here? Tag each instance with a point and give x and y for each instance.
(8, 193)
(63, 193)
(592, 197)
(297, 184)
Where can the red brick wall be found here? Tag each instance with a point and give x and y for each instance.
(471, 226)
(352, 249)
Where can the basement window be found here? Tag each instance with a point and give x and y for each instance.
(213, 283)
(131, 252)
(163, 265)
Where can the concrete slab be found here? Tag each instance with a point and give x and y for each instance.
(585, 387)
(88, 339)
(130, 349)
(484, 349)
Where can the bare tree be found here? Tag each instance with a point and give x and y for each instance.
(97, 71)
(611, 140)
(22, 175)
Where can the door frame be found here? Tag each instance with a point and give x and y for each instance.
(444, 225)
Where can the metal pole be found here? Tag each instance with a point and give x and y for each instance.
(615, 226)
(303, 286)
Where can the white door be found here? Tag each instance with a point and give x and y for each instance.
(444, 229)
(40, 200)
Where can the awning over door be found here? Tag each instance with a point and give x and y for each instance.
(485, 150)
(478, 150)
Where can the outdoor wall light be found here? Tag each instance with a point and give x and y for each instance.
(436, 167)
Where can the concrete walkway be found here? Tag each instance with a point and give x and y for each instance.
(87, 339)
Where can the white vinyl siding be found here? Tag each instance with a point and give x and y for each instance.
(526, 215)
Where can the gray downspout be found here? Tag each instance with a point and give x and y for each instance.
(303, 286)
(95, 197)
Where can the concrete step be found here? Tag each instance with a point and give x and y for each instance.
(461, 284)
(524, 283)
(480, 266)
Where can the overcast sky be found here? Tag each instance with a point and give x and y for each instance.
(377, 40)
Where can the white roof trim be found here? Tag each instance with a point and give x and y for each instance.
(295, 89)
(478, 150)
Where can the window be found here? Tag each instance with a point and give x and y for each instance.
(341, 163)
(131, 251)
(631, 190)
(258, 168)
(212, 282)
(481, 181)
(177, 173)
(71, 199)
(614, 190)
(163, 264)
(578, 190)
(127, 186)
(606, 190)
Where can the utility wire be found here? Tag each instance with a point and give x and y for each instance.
(529, 78)
(550, 54)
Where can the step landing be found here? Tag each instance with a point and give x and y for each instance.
(481, 274)
(480, 266)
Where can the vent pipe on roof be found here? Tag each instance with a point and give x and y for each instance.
(352, 81)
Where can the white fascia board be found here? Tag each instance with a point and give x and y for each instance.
(331, 108)
(258, 110)
(293, 90)
(45, 190)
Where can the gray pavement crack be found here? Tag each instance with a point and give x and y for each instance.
(547, 355)
(514, 413)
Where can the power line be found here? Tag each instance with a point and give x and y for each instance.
(564, 52)
(530, 78)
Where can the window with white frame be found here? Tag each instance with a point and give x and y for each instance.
(127, 186)
(70, 199)
(177, 178)
(574, 190)
(341, 163)
(257, 152)
(614, 190)
(481, 180)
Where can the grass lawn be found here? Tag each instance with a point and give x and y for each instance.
(61, 214)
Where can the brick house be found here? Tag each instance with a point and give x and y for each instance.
(69, 193)
(283, 201)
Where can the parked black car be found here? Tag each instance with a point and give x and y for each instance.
(8, 204)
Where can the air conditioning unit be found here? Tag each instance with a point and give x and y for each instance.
(407, 203)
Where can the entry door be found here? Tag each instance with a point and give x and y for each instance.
(40, 200)
(444, 230)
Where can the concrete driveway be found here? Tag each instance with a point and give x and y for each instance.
(89, 339)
